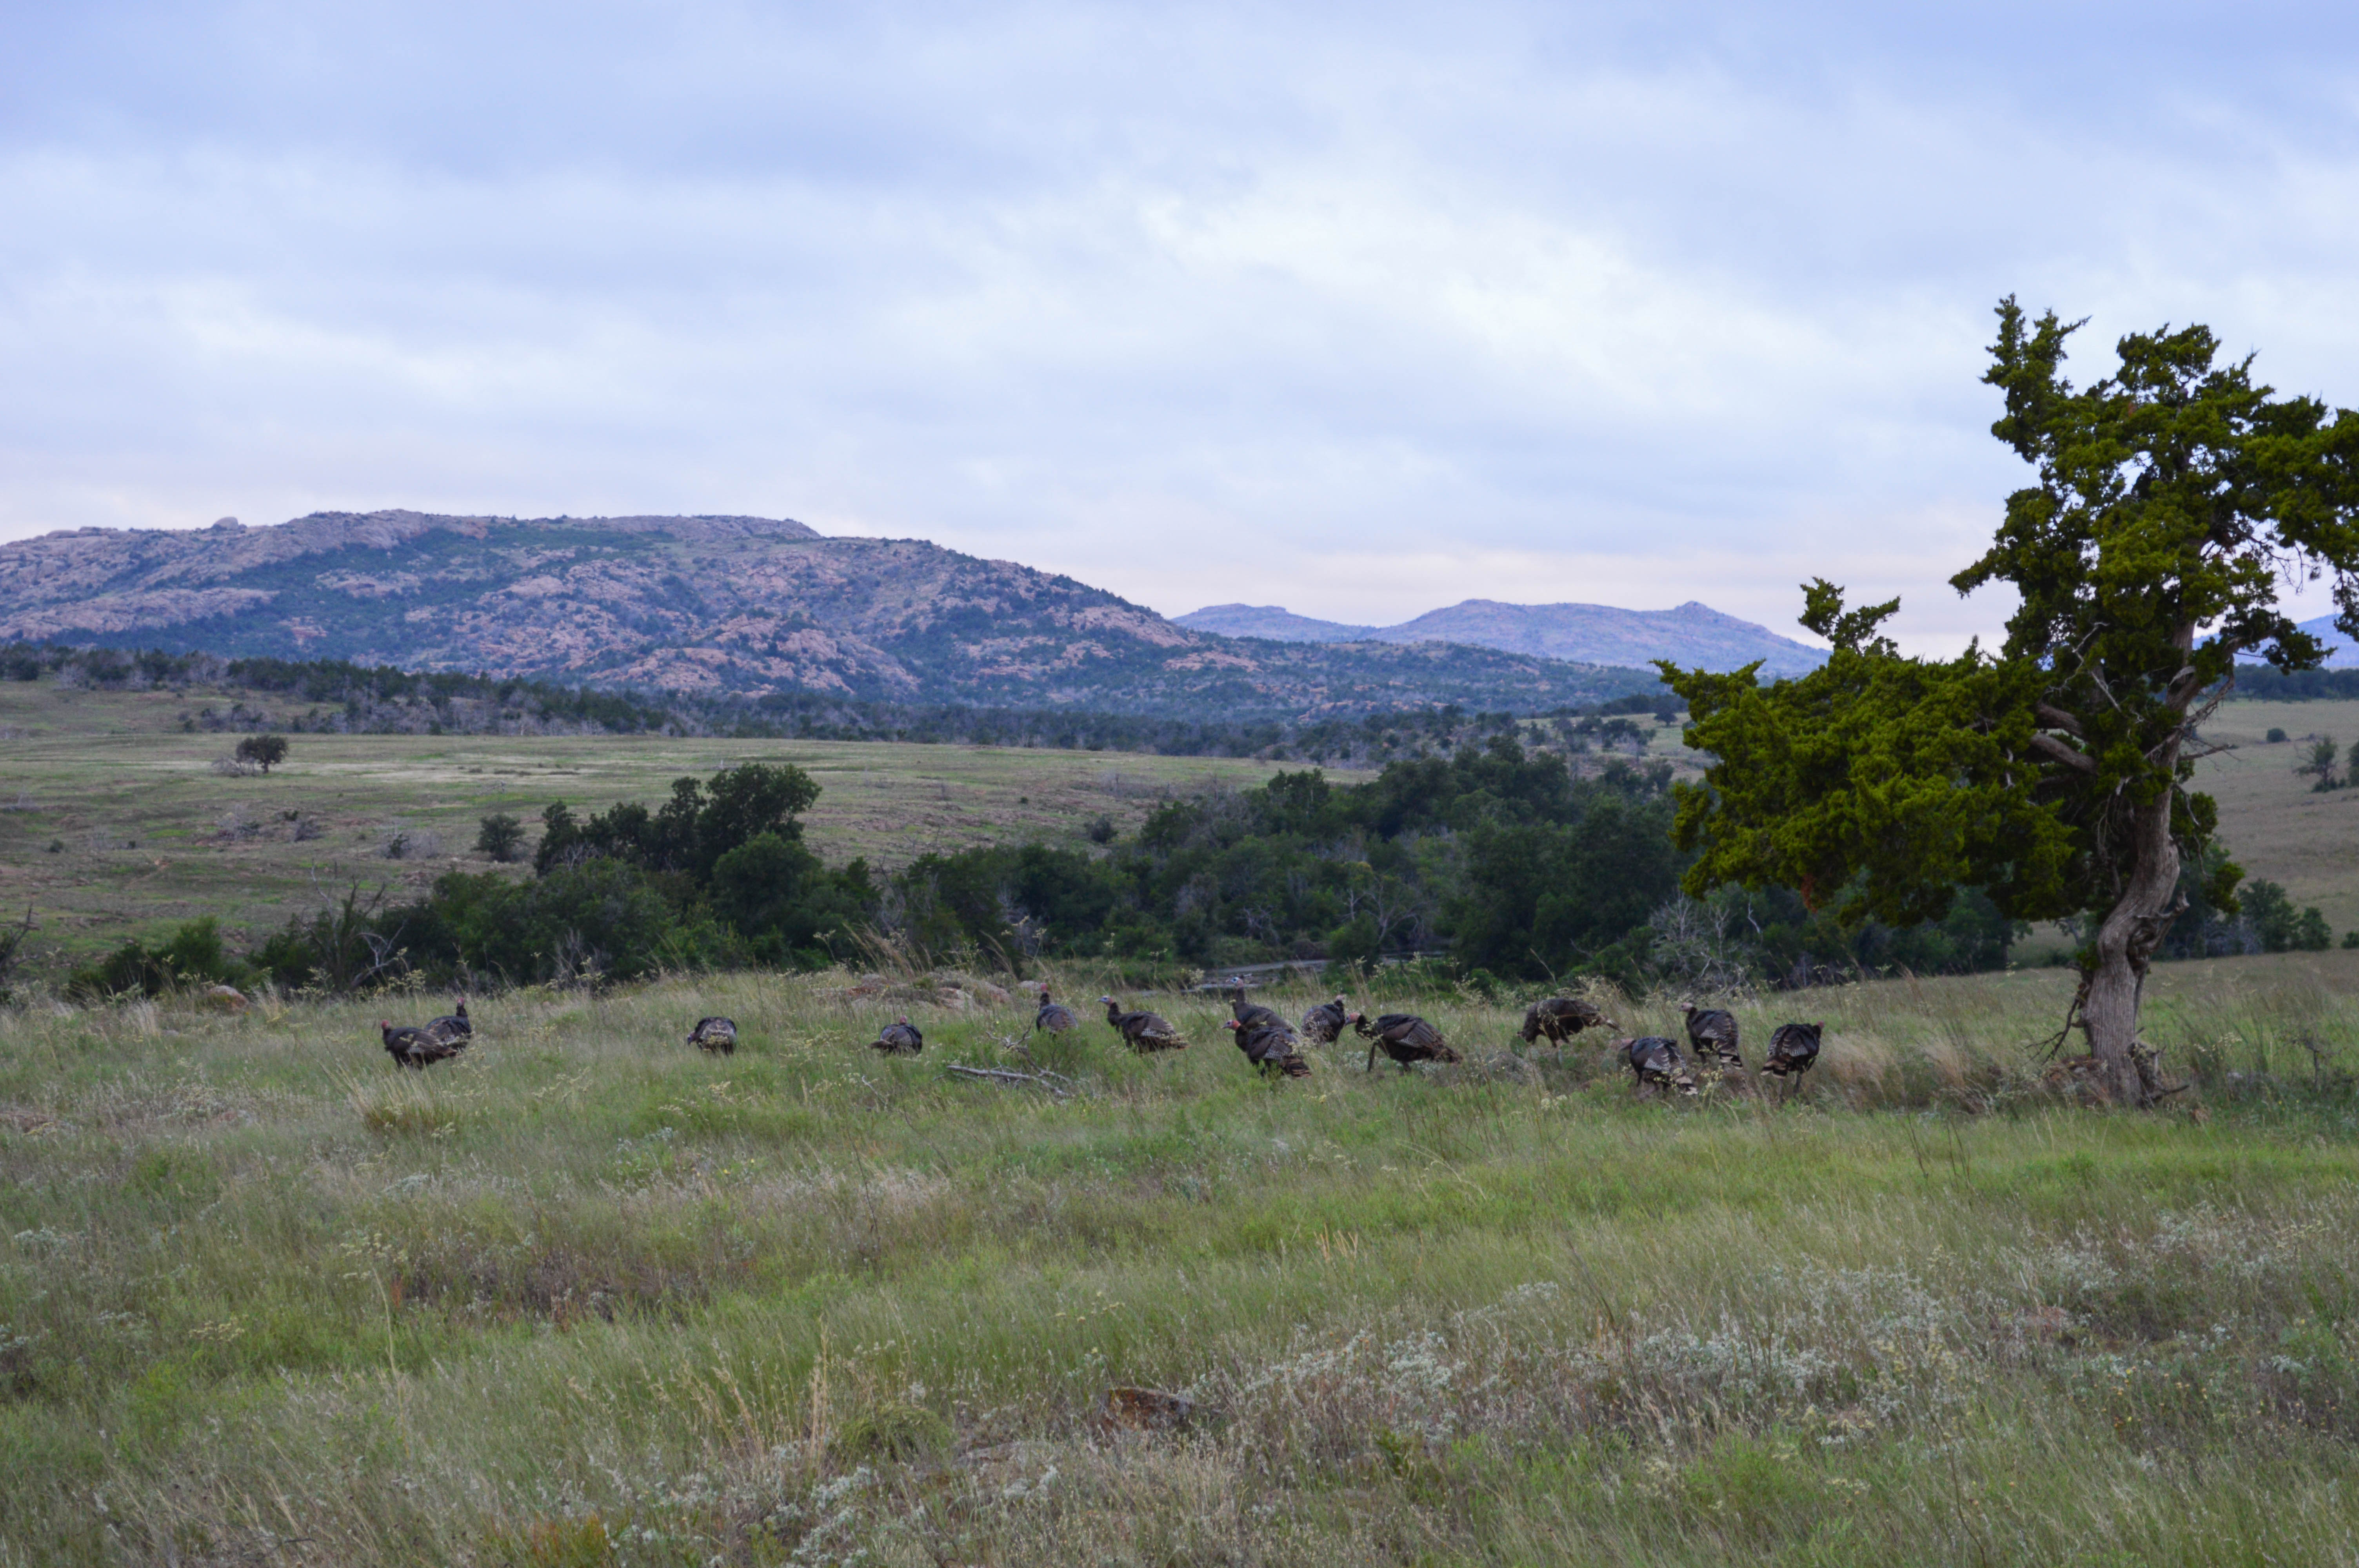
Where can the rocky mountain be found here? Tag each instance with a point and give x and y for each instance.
(1272, 621)
(714, 605)
(1693, 634)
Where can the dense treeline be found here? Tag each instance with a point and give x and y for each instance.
(335, 696)
(2260, 682)
(1508, 865)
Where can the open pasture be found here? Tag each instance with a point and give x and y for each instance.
(146, 834)
(586, 1295)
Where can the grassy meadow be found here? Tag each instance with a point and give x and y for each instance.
(146, 834)
(588, 1296)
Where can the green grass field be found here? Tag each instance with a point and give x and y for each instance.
(146, 834)
(588, 1296)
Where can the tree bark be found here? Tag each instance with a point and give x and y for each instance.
(2125, 943)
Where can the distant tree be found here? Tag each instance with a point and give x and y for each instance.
(2147, 555)
(500, 837)
(265, 751)
(2319, 762)
(2277, 736)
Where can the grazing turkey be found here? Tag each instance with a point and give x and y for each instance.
(1793, 1049)
(415, 1047)
(1713, 1032)
(718, 1035)
(452, 1025)
(1054, 1016)
(1656, 1063)
(899, 1038)
(1326, 1022)
(1406, 1038)
(1557, 1018)
(1270, 1047)
(1252, 1014)
(1143, 1032)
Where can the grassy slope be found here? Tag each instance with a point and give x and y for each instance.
(142, 819)
(2274, 824)
(588, 1296)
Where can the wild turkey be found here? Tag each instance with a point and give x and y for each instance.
(1557, 1018)
(1406, 1038)
(717, 1035)
(1713, 1032)
(1324, 1023)
(1793, 1049)
(899, 1038)
(415, 1047)
(1252, 1014)
(1143, 1032)
(1269, 1047)
(1054, 1016)
(452, 1025)
(1656, 1063)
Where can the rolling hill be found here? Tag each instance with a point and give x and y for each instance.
(715, 604)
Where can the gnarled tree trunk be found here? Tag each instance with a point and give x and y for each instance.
(2126, 940)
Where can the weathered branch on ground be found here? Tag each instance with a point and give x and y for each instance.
(1056, 1084)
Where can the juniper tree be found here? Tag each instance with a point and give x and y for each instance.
(2171, 501)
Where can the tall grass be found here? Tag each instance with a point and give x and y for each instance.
(586, 1296)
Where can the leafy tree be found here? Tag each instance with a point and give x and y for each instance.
(689, 832)
(265, 751)
(2319, 762)
(2170, 498)
(500, 837)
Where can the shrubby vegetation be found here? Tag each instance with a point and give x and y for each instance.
(1506, 862)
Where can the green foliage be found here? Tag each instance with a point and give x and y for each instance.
(265, 751)
(692, 831)
(192, 955)
(2276, 737)
(2277, 926)
(2165, 498)
(600, 920)
(2319, 762)
(500, 837)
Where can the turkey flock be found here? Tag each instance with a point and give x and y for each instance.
(1273, 1047)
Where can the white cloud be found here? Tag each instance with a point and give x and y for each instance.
(1362, 312)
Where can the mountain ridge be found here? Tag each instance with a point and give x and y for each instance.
(715, 604)
(1692, 634)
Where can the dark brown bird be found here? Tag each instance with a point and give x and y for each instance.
(415, 1047)
(1655, 1063)
(1713, 1032)
(1270, 1047)
(1143, 1032)
(452, 1025)
(1253, 1014)
(1793, 1049)
(899, 1038)
(718, 1035)
(1406, 1038)
(1558, 1018)
(1054, 1016)
(1326, 1022)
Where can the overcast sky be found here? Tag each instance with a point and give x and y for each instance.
(1359, 309)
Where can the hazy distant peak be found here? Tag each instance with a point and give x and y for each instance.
(1694, 633)
(1272, 621)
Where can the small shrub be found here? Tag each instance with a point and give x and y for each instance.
(2351, 939)
(1101, 829)
(192, 955)
(906, 1434)
(500, 837)
(2277, 736)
